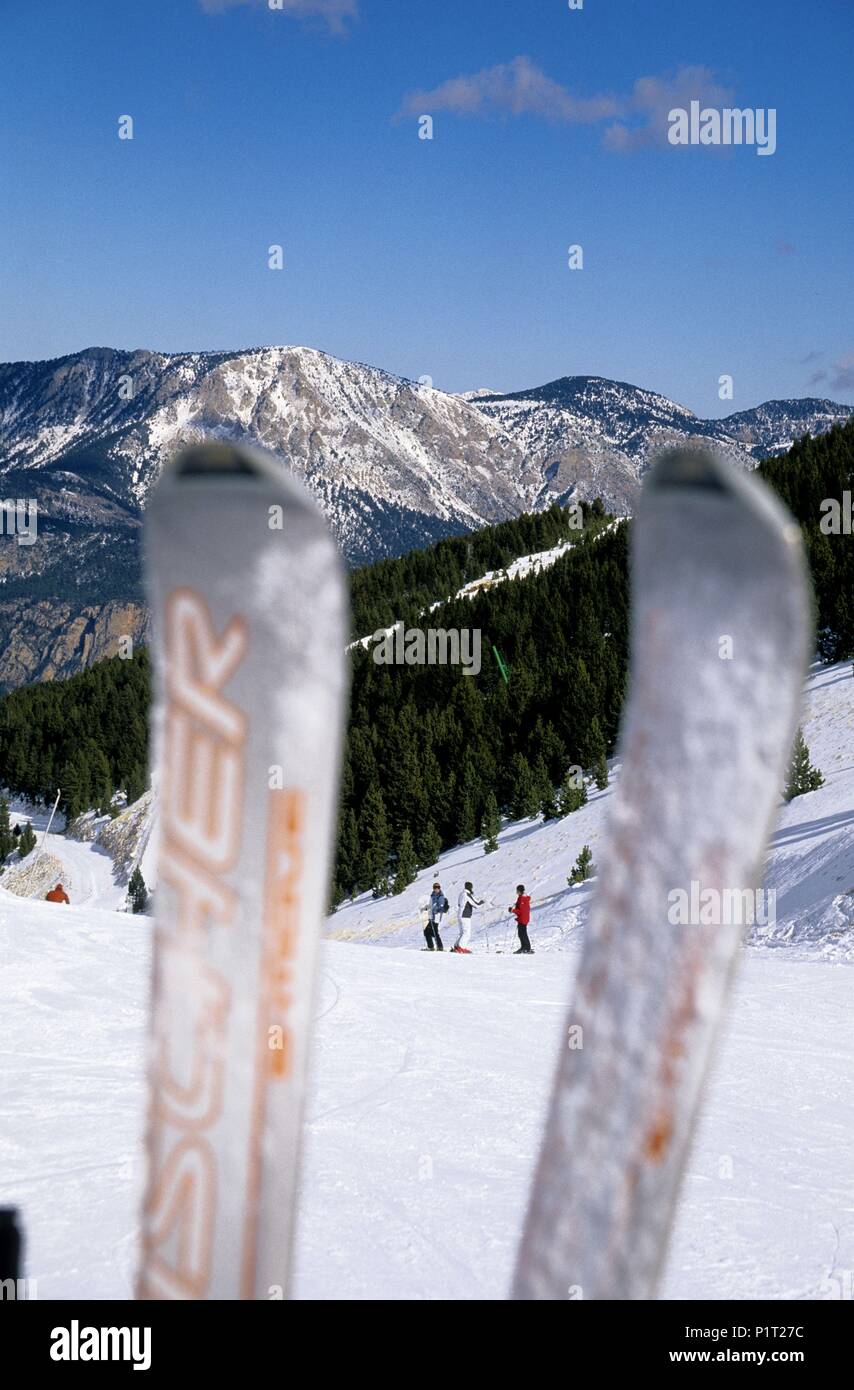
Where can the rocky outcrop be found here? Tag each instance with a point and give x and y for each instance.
(51, 638)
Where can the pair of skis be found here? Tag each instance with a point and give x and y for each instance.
(248, 604)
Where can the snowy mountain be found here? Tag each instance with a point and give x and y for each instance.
(394, 464)
(430, 1078)
(594, 437)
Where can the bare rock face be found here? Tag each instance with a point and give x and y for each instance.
(126, 837)
(54, 638)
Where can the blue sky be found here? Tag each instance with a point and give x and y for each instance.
(448, 257)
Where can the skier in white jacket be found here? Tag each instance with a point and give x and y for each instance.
(466, 904)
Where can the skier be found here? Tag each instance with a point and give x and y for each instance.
(522, 912)
(438, 906)
(466, 904)
(57, 895)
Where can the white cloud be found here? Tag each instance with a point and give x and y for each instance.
(838, 377)
(842, 373)
(521, 88)
(517, 88)
(644, 116)
(335, 12)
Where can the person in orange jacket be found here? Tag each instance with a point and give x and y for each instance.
(57, 895)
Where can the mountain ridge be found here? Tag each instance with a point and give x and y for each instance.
(394, 464)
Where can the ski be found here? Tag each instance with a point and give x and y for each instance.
(720, 640)
(247, 597)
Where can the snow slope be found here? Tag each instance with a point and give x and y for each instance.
(431, 1076)
(430, 1081)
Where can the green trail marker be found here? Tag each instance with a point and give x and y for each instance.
(502, 668)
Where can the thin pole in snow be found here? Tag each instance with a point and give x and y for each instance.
(44, 834)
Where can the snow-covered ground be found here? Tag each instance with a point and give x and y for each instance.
(431, 1076)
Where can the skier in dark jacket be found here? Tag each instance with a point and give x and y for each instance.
(438, 906)
(522, 912)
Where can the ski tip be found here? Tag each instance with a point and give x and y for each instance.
(688, 468)
(215, 458)
(699, 472)
(232, 466)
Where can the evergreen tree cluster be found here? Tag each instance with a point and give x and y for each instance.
(398, 590)
(813, 472)
(436, 756)
(87, 735)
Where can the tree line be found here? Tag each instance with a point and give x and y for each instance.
(87, 734)
(816, 471)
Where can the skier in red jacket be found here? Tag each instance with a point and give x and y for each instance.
(57, 895)
(522, 912)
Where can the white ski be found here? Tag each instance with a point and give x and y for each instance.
(248, 608)
(720, 640)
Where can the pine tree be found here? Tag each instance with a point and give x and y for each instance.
(595, 751)
(803, 777)
(137, 891)
(542, 780)
(71, 780)
(490, 825)
(381, 888)
(583, 867)
(524, 797)
(465, 823)
(135, 785)
(347, 863)
(573, 793)
(600, 772)
(374, 841)
(549, 806)
(405, 872)
(7, 839)
(102, 781)
(26, 841)
(429, 846)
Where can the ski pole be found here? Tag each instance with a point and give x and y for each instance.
(10, 1249)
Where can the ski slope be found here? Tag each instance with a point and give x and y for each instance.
(431, 1074)
(85, 870)
(810, 864)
